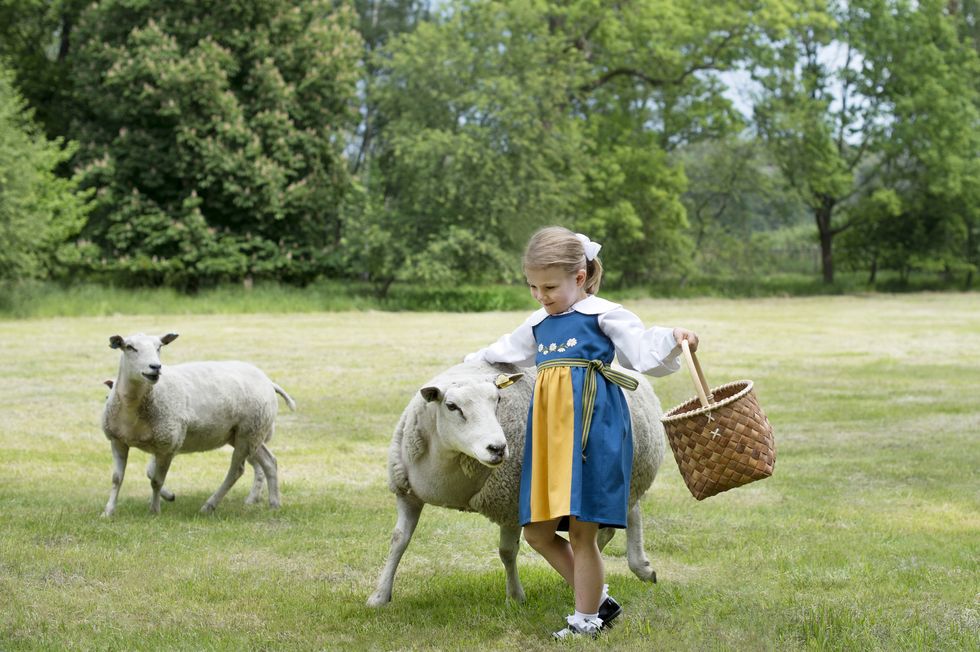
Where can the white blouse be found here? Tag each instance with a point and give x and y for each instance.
(650, 351)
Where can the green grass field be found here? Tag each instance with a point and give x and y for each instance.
(866, 538)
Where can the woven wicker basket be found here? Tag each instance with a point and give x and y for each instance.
(721, 439)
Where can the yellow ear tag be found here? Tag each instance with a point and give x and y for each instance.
(503, 380)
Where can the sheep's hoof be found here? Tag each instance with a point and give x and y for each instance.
(378, 600)
(107, 513)
(167, 495)
(645, 573)
(208, 508)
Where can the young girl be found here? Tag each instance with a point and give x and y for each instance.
(578, 454)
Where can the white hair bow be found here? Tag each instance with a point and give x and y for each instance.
(591, 248)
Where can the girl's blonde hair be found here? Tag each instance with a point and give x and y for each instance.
(556, 246)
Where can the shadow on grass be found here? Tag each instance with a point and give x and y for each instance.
(464, 607)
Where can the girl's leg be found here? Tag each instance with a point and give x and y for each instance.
(542, 536)
(588, 573)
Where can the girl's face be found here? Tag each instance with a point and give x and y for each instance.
(555, 289)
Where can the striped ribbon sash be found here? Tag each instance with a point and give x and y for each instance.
(589, 389)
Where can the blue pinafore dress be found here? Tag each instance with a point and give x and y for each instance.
(578, 452)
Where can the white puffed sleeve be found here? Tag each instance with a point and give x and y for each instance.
(517, 348)
(650, 351)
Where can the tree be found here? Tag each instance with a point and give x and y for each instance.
(38, 209)
(821, 111)
(649, 84)
(968, 14)
(865, 97)
(503, 116)
(923, 212)
(380, 21)
(477, 138)
(931, 158)
(735, 193)
(214, 136)
(35, 41)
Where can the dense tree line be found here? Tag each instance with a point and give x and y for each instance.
(191, 143)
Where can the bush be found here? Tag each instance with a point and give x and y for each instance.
(38, 209)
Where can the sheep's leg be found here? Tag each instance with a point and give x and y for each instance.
(235, 471)
(605, 536)
(160, 468)
(151, 470)
(120, 453)
(268, 463)
(272, 477)
(257, 483)
(510, 542)
(409, 510)
(636, 556)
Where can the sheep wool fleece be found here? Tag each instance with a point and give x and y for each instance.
(573, 464)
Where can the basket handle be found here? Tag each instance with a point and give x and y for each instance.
(700, 384)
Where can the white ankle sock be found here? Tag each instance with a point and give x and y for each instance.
(605, 594)
(580, 618)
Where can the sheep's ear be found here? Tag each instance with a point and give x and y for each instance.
(168, 338)
(108, 382)
(506, 380)
(431, 393)
(116, 342)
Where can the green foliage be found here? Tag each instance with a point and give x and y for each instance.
(933, 151)
(413, 141)
(879, 98)
(214, 136)
(810, 133)
(742, 215)
(650, 84)
(477, 138)
(35, 37)
(39, 210)
(458, 298)
(637, 213)
(653, 65)
(504, 116)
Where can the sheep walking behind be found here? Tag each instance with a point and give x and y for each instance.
(187, 408)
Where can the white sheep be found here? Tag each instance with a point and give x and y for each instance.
(187, 408)
(460, 444)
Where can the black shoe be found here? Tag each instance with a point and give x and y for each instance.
(609, 610)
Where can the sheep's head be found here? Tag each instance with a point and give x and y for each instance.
(141, 354)
(466, 418)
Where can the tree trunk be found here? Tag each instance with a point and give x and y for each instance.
(822, 214)
(874, 270)
(382, 285)
(64, 44)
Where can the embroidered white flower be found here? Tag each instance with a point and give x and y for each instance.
(556, 347)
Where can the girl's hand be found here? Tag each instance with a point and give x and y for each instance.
(681, 334)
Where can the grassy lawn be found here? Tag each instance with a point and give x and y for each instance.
(866, 538)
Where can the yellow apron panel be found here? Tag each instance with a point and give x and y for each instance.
(553, 440)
